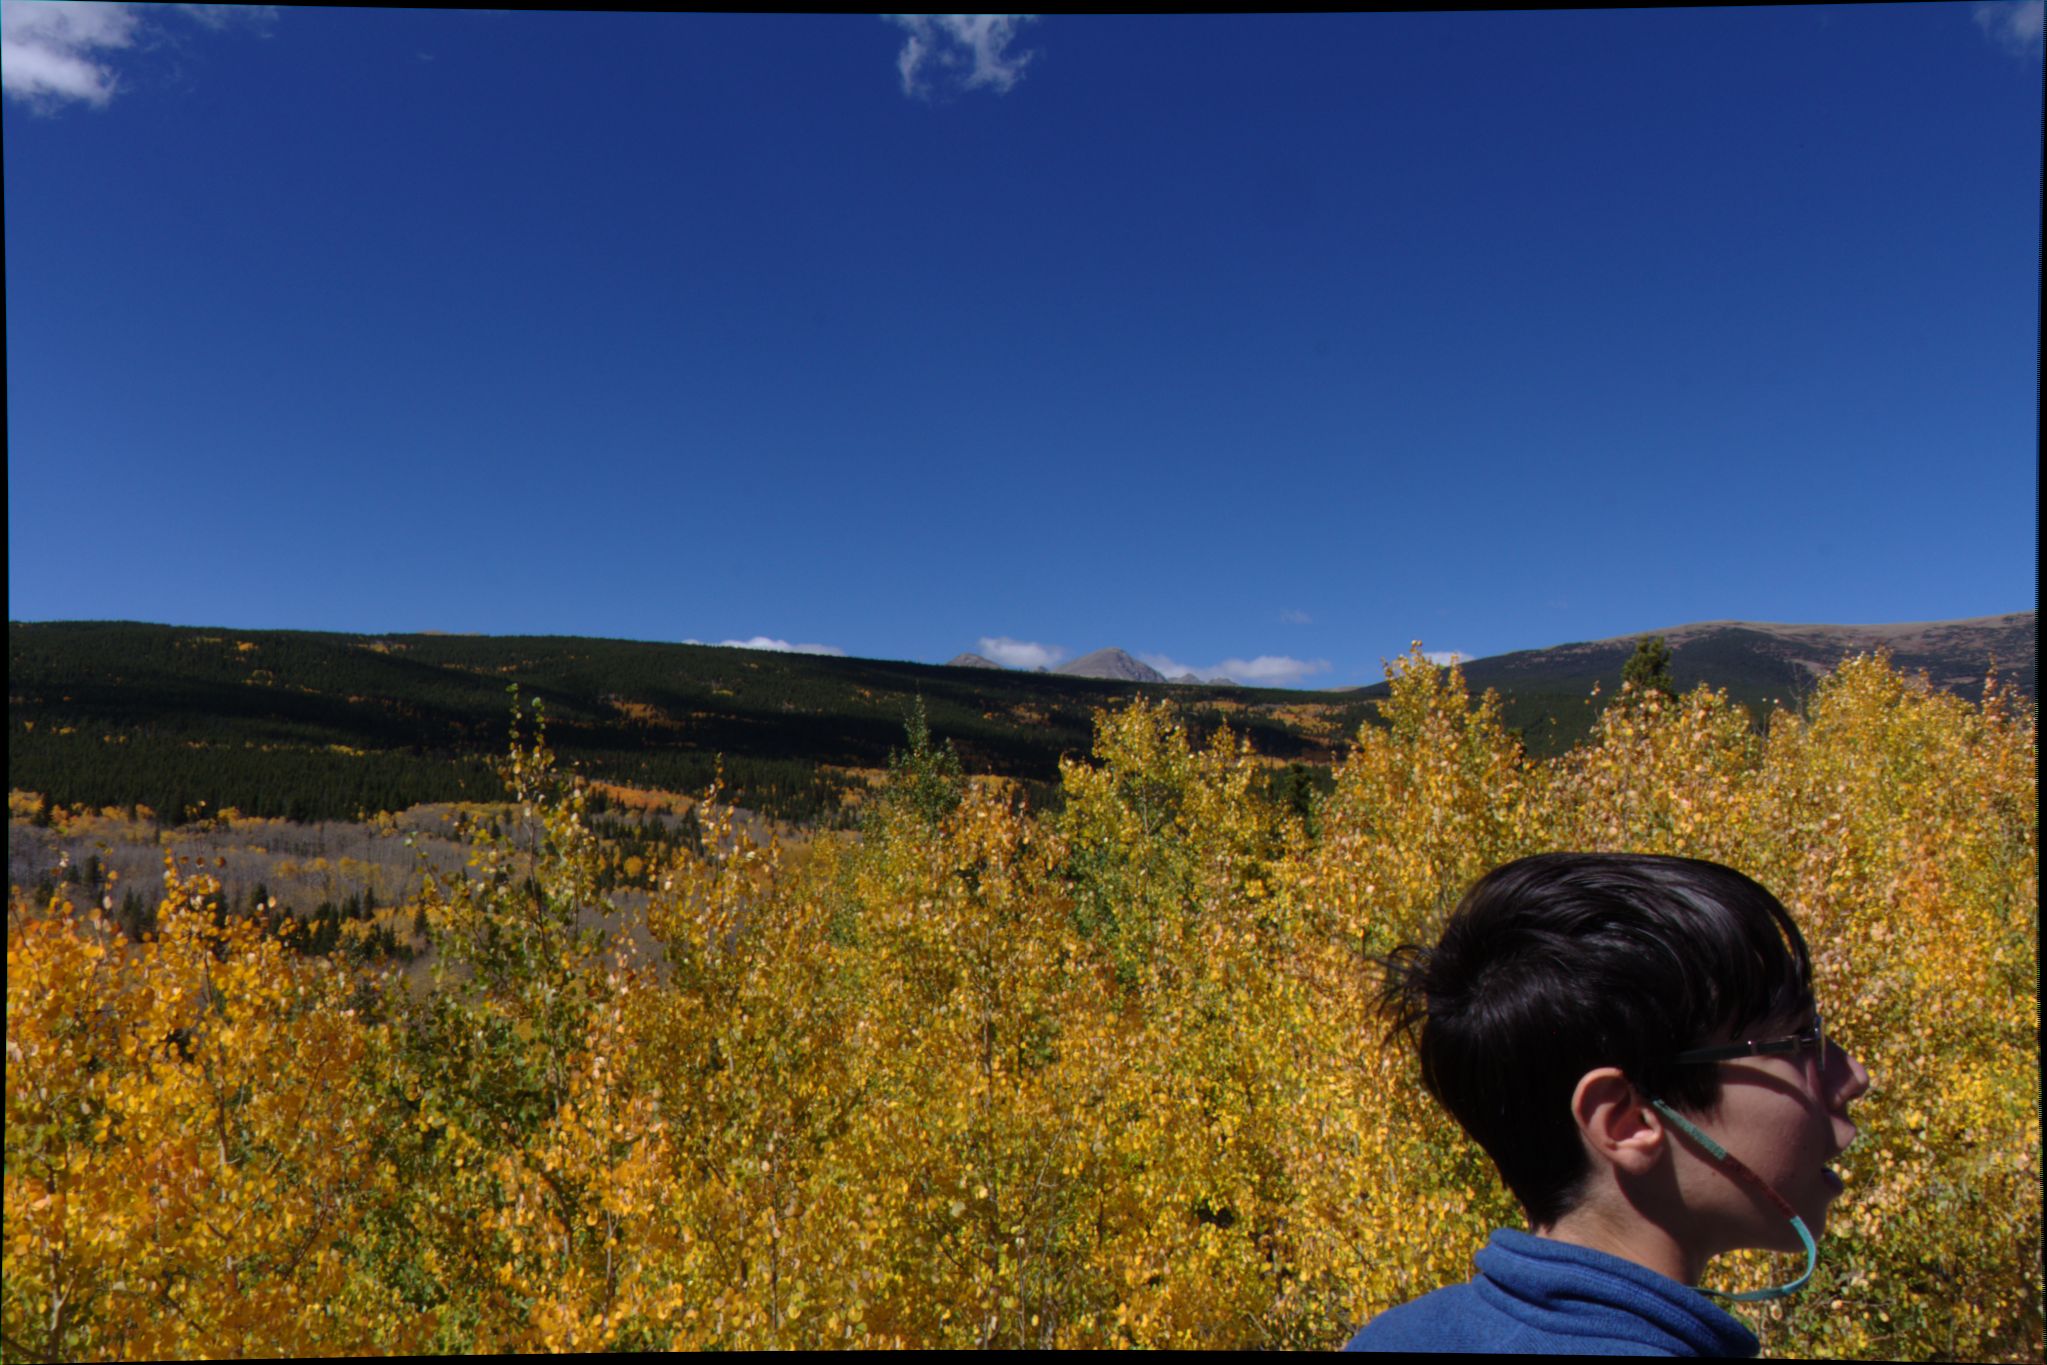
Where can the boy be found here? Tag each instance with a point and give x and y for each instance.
(1633, 1040)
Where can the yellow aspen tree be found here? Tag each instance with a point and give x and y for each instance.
(189, 1145)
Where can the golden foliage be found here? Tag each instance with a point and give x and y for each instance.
(1104, 1077)
(187, 1144)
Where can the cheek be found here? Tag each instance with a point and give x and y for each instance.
(1813, 1136)
(1790, 1139)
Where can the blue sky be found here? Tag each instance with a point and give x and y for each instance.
(1251, 345)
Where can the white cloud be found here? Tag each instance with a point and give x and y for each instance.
(220, 16)
(2015, 24)
(1443, 658)
(1267, 670)
(1020, 653)
(1296, 618)
(52, 52)
(1271, 670)
(964, 50)
(768, 642)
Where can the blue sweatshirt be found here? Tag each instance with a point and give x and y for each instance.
(1535, 1296)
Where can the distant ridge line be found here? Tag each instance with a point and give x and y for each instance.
(1767, 659)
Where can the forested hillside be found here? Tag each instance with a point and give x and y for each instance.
(1545, 693)
(309, 725)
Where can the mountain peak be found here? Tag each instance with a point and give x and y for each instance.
(1111, 663)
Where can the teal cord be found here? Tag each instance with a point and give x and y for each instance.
(1734, 1168)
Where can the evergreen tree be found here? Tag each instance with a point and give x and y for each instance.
(1649, 669)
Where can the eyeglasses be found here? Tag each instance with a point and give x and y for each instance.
(1813, 1040)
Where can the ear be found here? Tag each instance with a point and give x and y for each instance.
(1616, 1122)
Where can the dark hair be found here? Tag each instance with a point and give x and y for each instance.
(1554, 965)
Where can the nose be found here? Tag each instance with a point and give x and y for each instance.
(1846, 1078)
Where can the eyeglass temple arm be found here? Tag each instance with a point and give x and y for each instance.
(1726, 1051)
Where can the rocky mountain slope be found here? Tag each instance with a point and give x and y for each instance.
(1111, 663)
